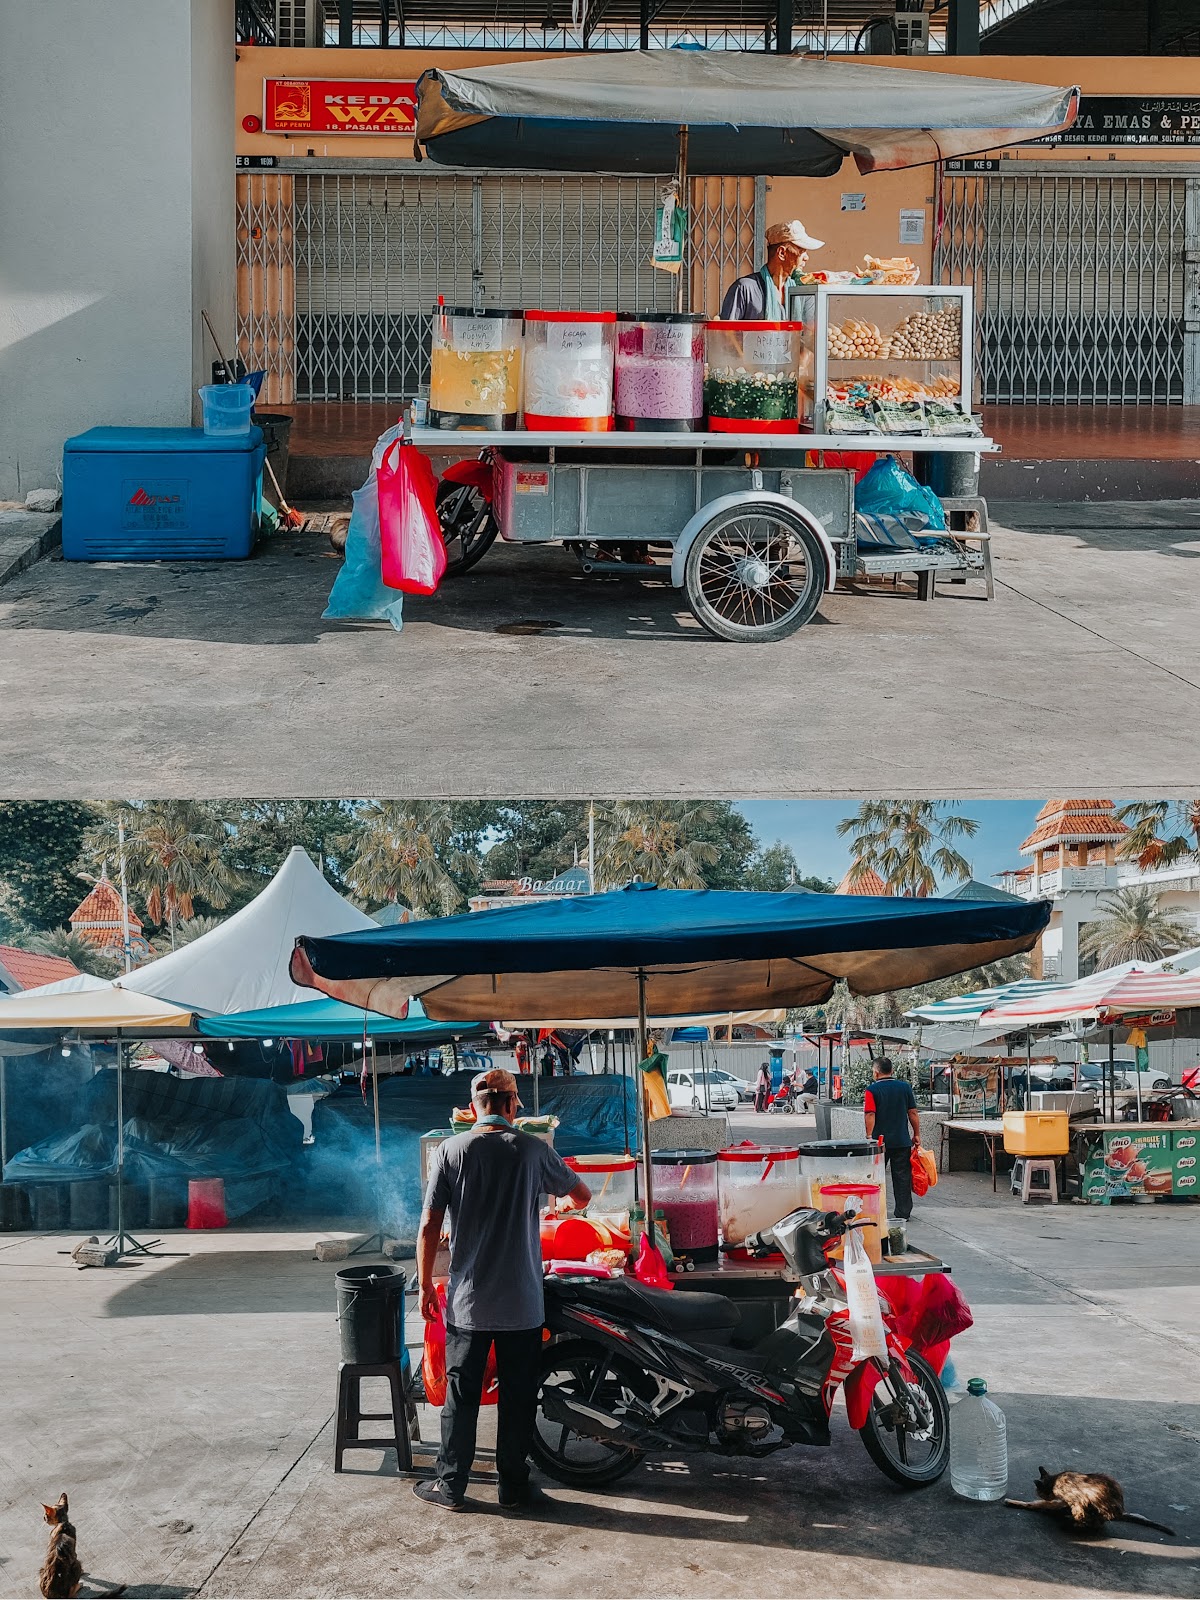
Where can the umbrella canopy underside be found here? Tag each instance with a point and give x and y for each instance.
(746, 114)
(698, 950)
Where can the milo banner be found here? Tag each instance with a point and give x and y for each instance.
(1143, 1163)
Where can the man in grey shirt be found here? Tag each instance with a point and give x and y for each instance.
(491, 1181)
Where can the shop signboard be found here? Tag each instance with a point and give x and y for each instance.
(1124, 119)
(977, 1092)
(1143, 1163)
(339, 105)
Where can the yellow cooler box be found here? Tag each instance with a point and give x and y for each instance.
(1036, 1133)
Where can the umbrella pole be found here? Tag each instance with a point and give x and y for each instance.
(1112, 1077)
(126, 1244)
(685, 265)
(3, 1115)
(1137, 1081)
(644, 1101)
(374, 1241)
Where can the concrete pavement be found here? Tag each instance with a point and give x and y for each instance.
(208, 679)
(186, 1405)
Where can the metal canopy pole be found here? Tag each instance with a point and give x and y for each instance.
(685, 265)
(126, 1244)
(376, 1238)
(644, 1102)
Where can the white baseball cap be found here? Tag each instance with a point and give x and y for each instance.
(792, 232)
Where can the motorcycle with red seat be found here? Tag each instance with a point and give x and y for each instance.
(631, 1371)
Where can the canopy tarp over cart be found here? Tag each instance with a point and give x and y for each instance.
(747, 113)
(643, 950)
(334, 1021)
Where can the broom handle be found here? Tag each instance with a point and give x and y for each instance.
(216, 346)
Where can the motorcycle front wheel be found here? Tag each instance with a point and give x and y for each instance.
(468, 526)
(586, 1373)
(911, 1457)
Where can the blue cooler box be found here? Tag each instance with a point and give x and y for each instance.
(161, 494)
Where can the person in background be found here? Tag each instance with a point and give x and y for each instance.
(521, 1054)
(890, 1113)
(491, 1180)
(808, 1092)
(762, 1087)
(762, 296)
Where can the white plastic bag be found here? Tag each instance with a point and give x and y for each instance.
(358, 590)
(866, 1317)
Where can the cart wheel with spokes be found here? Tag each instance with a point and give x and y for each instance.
(586, 1373)
(469, 525)
(755, 573)
(910, 1443)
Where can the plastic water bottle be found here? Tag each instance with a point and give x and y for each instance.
(978, 1446)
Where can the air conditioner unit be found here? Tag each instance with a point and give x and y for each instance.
(299, 22)
(912, 28)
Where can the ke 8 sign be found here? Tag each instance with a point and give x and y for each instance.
(338, 105)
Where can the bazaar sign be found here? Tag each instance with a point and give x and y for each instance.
(338, 105)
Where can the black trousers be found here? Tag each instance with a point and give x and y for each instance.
(899, 1158)
(517, 1362)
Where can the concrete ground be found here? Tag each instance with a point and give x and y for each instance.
(216, 679)
(186, 1406)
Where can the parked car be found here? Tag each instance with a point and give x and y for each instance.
(699, 1091)
(744, 1090)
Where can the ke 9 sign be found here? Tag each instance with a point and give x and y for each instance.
(335, 105)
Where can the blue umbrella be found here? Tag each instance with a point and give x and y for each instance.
(669, 952)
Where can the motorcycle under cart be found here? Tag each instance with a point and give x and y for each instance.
(754, 536)
(630, 1371)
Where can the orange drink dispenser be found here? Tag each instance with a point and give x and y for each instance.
(867, 1200)
(610, 1178)
(475, 368)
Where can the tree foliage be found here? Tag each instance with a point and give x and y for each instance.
(73, 947)
(1134, 926)
(909, 843)
(40, 841)
(1161, 832)
(175, 856)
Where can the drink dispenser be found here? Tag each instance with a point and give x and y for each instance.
(569, 370)
(685, 1188)
(839, 1161)
(475, 368)
(660, 372)
(610, 1178)
(756, 1186)
(752, 376)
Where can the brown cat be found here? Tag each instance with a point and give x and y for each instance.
(61, 1572)
(1086, 1501)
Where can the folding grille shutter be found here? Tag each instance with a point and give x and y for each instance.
(1079, 284)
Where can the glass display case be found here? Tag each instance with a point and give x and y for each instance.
(891, 360)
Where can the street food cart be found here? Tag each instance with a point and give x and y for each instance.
(737, 501)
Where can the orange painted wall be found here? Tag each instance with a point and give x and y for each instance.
(816, 201)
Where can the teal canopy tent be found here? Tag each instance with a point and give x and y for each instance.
(335, 1021)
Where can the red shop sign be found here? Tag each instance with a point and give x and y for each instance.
(338, 105)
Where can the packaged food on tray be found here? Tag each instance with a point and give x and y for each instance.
(900, 416)
(842, 416)
(948, 422)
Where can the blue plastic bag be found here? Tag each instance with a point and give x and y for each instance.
(889, 491)
(359, 591)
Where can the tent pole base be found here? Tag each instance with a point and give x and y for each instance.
(373, 1242)
(127, 1245)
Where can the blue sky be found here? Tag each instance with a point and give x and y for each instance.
(810, 827)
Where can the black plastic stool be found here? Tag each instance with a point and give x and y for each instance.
(350, 1414)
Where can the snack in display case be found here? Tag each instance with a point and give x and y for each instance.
(475, 368)
(889, 270)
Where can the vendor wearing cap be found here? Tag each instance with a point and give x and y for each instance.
(491, 1181)
(759, 296)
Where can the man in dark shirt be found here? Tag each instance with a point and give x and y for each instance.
(491, 1181)
(890, 1113)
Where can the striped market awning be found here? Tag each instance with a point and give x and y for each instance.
(970, 1007)
(1131, 993)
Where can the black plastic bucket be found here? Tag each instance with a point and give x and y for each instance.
(14, 1207)
(167, 1203)
(370, 1313)
(51, 1203)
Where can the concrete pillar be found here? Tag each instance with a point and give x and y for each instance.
(117, 200)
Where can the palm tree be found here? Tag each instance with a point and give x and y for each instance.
(403, 852)
(188, 930)
(908, 843)
(655, 841)
(1134, 927)
(80, 952)
(174, 856)
(1161, 832)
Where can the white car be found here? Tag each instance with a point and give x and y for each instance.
(700, 1091)
(743, 1090)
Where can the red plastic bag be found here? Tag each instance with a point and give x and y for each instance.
(412, 552)
(650, 1267)
(433, 1361)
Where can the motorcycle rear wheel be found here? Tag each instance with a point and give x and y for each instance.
(469, 526)
(912, 1462)
(563, 1454)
